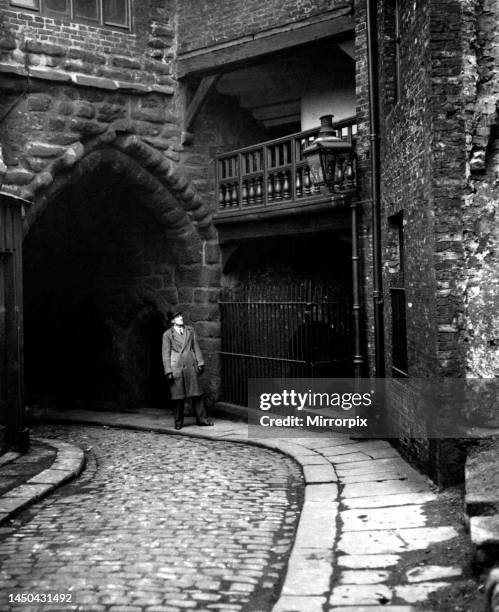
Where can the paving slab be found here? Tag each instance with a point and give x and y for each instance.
(383, 518)
(393, 541)
(29, 490)
(50, 476)
(383, 488)
(349, 458)
(315, 474)
(312, 460)
(368, 561)
(321, 493)
(364, 576)
(360, 595)
(375, 465)
(345, 449)
(386, 501)
(414, 593)
(317, 526)
(424, 573)
(401, 475)
(291, 603)
(309, 572)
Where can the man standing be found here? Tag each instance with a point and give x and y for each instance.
(183, 362)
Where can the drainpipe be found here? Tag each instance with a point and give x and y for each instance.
(372, 61)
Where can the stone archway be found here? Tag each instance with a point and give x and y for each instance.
(100, 237)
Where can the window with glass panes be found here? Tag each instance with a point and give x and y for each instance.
(112, 13)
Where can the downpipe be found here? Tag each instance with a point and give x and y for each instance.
(372, 61)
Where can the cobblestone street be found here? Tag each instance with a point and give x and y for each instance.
(158, 523)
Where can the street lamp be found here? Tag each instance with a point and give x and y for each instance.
(329, 158)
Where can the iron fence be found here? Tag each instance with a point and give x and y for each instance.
(289, 331)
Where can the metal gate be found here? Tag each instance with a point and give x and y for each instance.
(289, 331)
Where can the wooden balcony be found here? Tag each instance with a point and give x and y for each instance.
(274, 176)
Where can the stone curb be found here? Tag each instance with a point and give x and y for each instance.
(68, 464)
(310, 564)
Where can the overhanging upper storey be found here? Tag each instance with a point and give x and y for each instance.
(228, 55)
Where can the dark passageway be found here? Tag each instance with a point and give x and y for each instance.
(87, 257)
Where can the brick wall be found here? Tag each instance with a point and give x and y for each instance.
(411, 176)
(210, 22)
(445, 116)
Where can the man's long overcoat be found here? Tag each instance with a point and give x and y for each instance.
(182, 357)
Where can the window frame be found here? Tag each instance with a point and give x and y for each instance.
(398, 302)
(40, 7)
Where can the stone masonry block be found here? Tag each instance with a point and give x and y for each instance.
(208, 329)
(65, 108)
(185, 294)
(38, 46)
(126, 62)
(39, 102)
(212, 253)
(206, 295)
(204, 313)
(110, 112)
(482, 480)
(18, 176)
(85, 110)
(86, 56)
(39, 149)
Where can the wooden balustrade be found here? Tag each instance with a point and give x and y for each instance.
(275, 172)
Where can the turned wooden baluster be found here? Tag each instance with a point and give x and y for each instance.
(259, 190)
(251, 192)
(235, 200)
(270, 188)
(306, 181)
(286, 187)
(228, 195)
(244, 194)
(277, 186)
(299, 191)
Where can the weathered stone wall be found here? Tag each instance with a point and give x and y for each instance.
(75, 99)
(110, 59)
(481, 201)
(210, 22)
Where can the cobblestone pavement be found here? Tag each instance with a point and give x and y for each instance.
(157, 523)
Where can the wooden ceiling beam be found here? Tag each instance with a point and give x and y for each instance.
(205, 86)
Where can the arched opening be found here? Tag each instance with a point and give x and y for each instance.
(94, 260)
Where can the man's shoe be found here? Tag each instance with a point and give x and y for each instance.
(205, 423)
(178, 426)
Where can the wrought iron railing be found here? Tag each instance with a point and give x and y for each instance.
(283, 331)
(276, 171)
